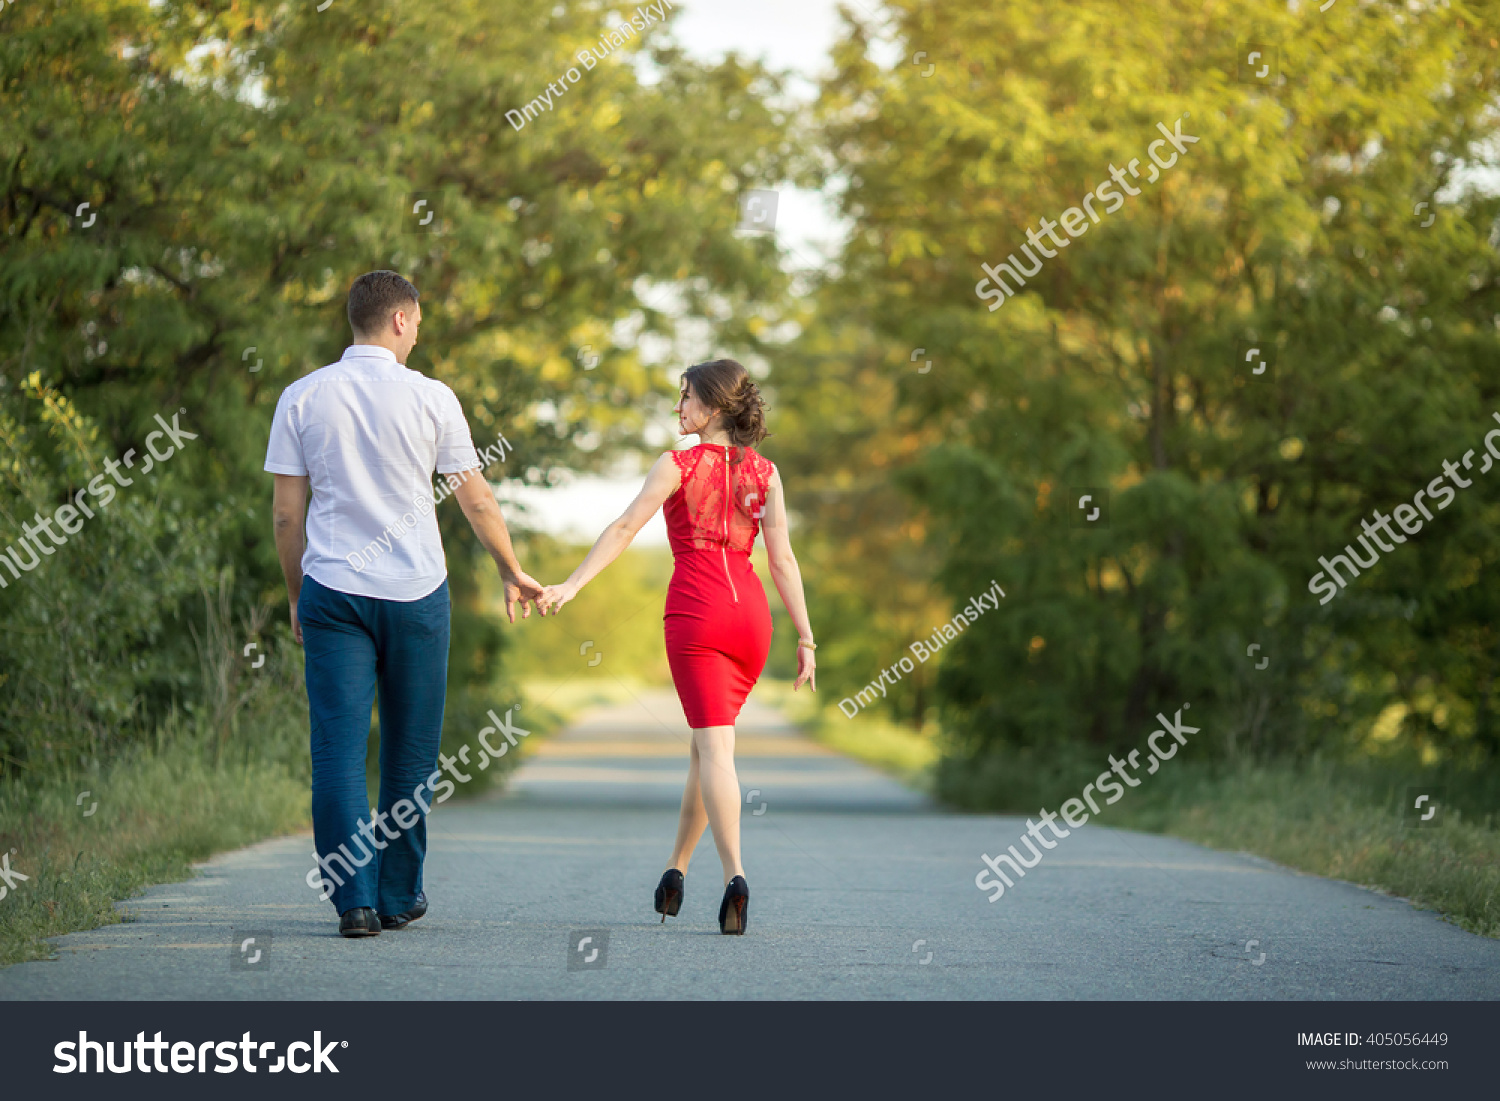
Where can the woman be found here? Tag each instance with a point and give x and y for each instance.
(718, 625)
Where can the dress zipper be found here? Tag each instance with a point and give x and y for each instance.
(723, 549)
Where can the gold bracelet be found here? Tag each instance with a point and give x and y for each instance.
(803, 642)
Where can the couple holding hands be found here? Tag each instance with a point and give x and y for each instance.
(365, 436)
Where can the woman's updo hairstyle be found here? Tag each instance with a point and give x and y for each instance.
(725, 385)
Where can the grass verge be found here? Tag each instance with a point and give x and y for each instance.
(894, 748)
(1346, 820)
(164, 806)
(1342, 822)
(159, 809)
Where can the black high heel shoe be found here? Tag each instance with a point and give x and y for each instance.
(734, 911)
(669, 894)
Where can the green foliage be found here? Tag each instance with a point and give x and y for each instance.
(162, 804)
(1120, 367)
(95, 640)
(840, 438)
(893, 747)
(242, 164)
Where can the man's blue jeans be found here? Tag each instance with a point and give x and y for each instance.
(356, 645)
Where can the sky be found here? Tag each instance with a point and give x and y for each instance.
(793, 35)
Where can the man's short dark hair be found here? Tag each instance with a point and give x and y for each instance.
(374, 297)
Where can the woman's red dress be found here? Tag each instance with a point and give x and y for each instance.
(718, 624)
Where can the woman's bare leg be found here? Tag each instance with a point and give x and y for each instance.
(693, 819)
(719, 786)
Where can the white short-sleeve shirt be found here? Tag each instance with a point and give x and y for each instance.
(368, 434)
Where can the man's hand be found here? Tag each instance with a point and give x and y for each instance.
(477, 499)
(288, 516)
(526, 589)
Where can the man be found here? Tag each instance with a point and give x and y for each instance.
(369, 591)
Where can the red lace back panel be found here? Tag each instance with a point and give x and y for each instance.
(721, 500)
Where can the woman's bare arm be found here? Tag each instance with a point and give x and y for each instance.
(788, 577)
(662, 481)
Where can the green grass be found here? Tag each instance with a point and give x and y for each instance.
(236, 770)
(160, 809)
(893, 748)
(1331, 819)
(1337, 819)
(165, 806)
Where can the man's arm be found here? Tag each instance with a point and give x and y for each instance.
(288, 515)
(483, 513)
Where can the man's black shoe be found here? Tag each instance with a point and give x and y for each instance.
(359, 922)
(405, 917)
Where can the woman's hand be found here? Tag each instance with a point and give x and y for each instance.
(555, 596)
(807, 668)
(525, 589)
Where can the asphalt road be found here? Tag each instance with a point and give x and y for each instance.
(859, 889)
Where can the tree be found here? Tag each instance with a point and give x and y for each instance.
(242, 163)
(1281, 219)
